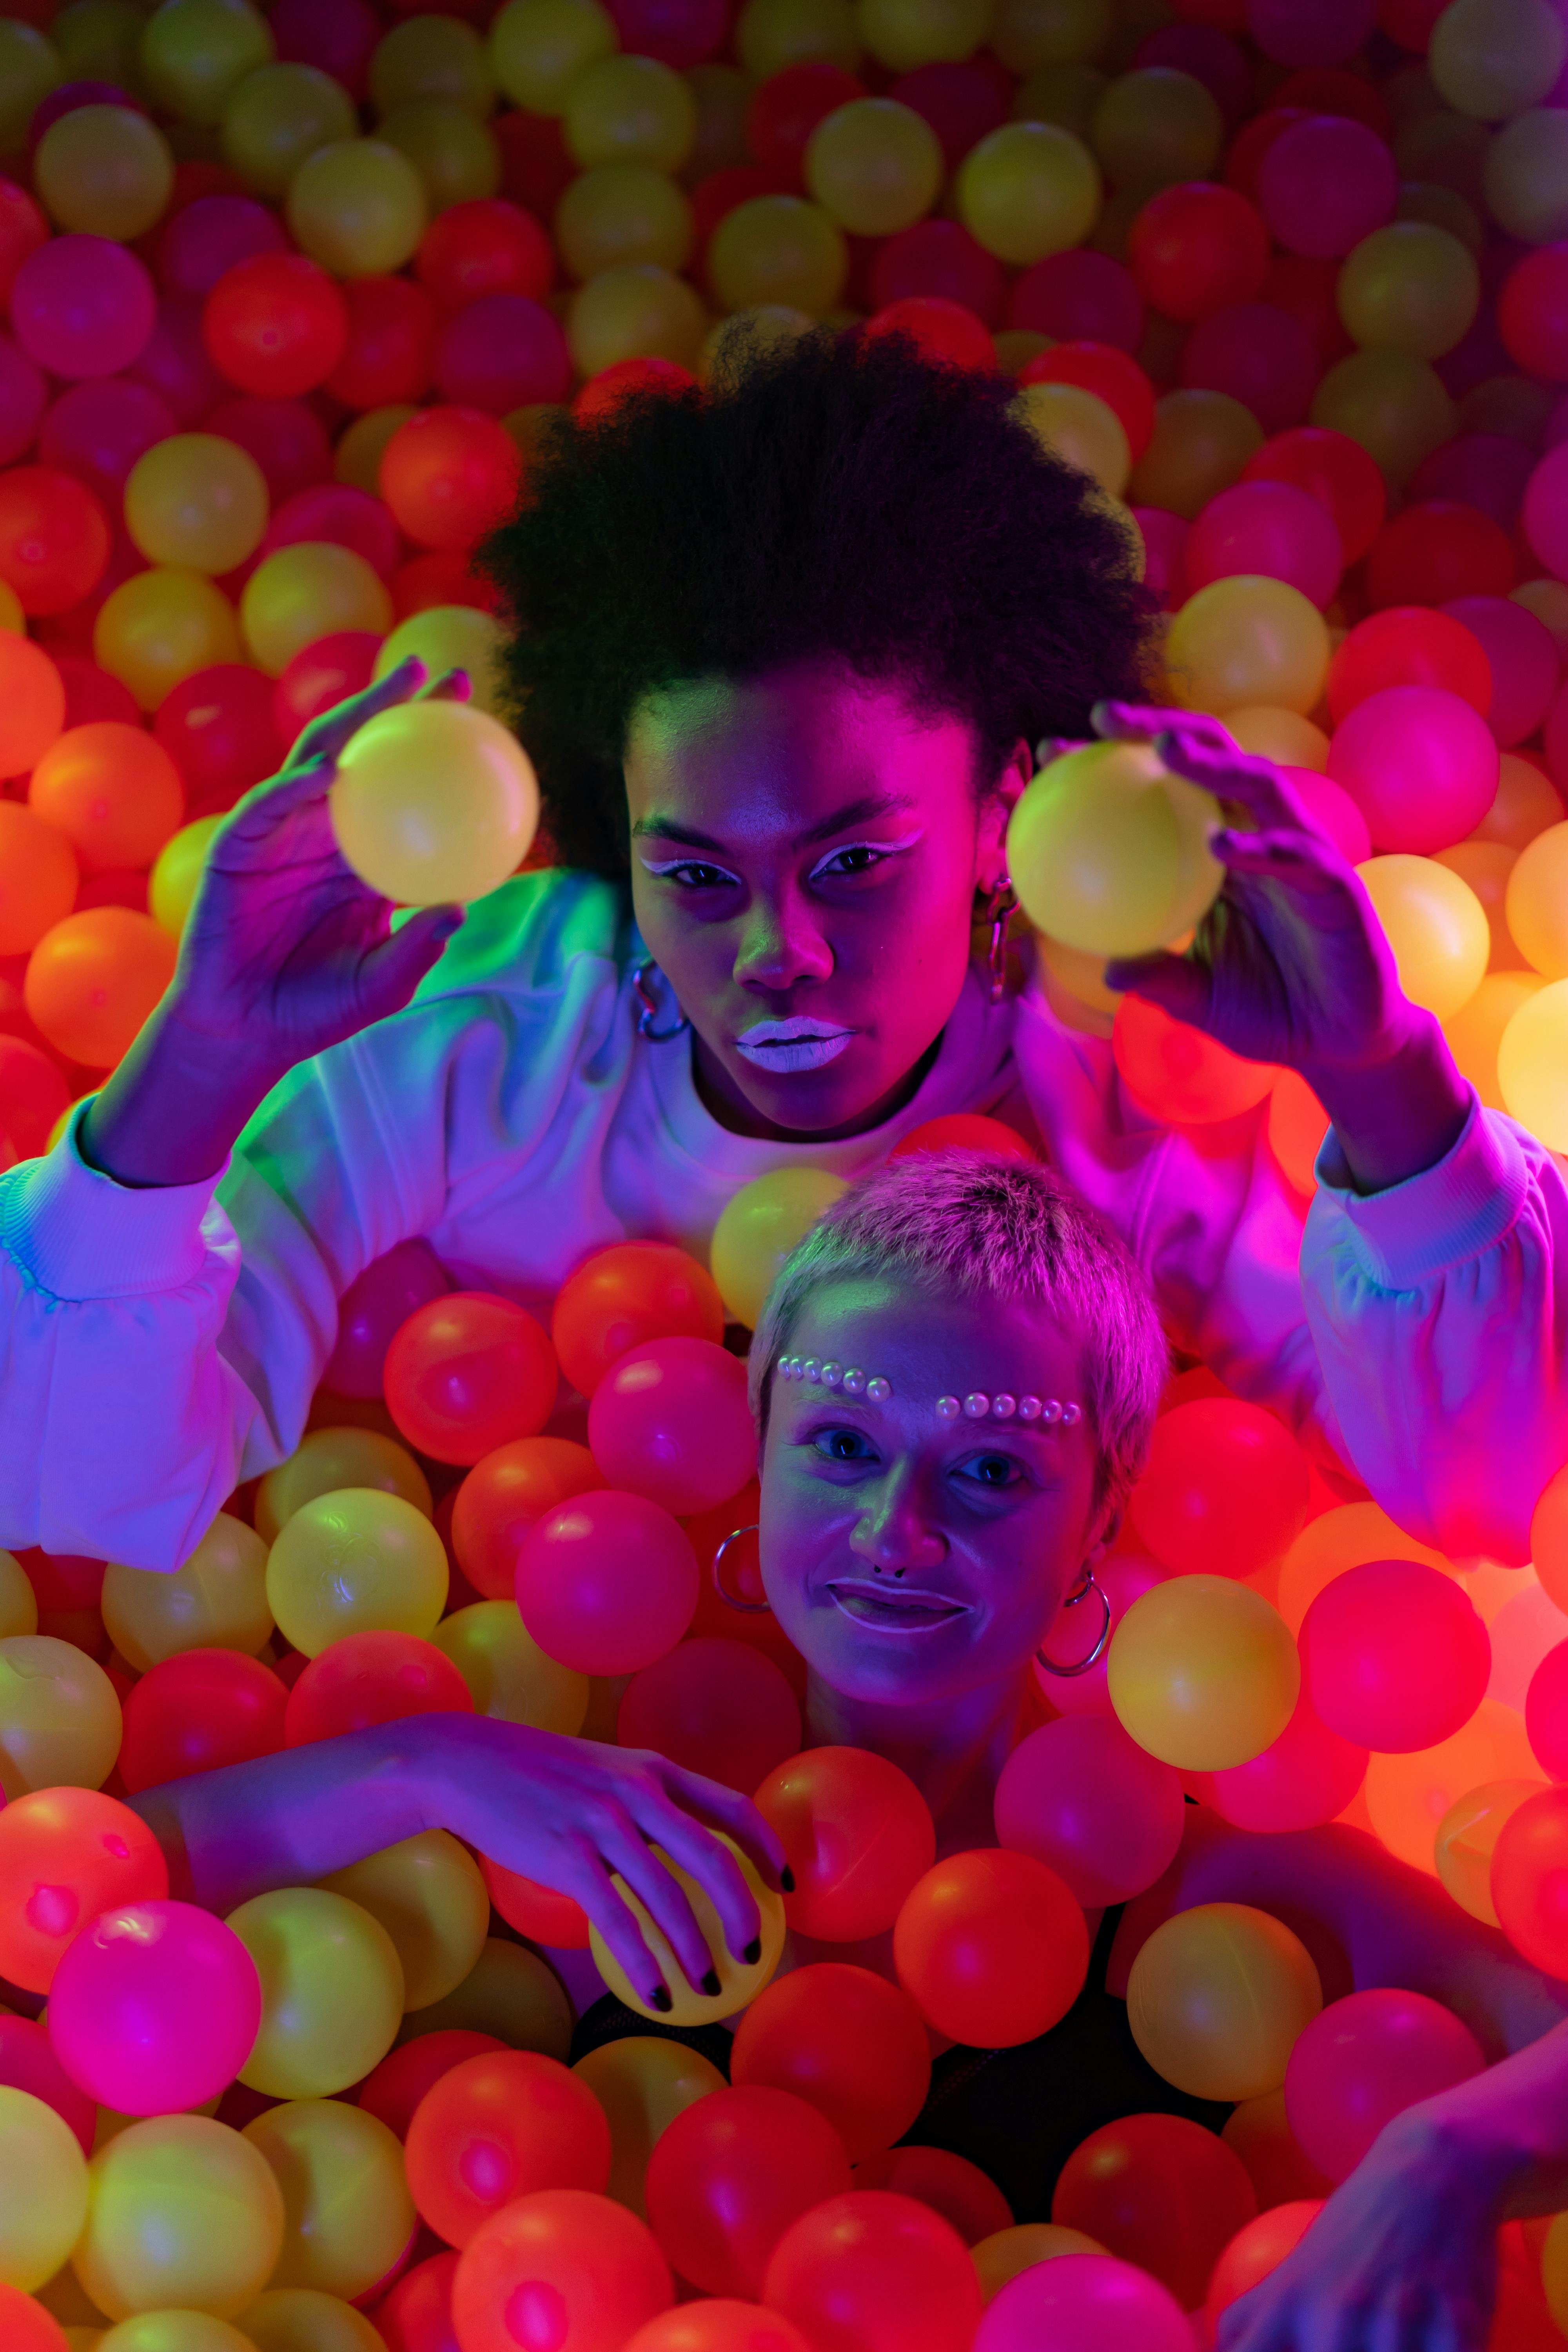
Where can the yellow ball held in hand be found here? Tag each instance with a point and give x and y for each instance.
(1245, 640)
(428, 1894)
(1436, 926)
(1027, 190)
(1532, 1064)
(757, 1229)
(348, 2214)
(327, 1460)
(60, 1718)
(331, 1991)
(448, 637)
(738, 1984)
(44, 2177)
(1108, 853)
(180, 2214)
(353, 1562)
(434, 801)
(875, 166)
(216, 1601)
(1203, 1672)
(198, 500)
(1216, 1998)
(177, 873)
(508, 1676)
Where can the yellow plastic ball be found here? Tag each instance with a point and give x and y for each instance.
(304, 2319)
(428, 1894)
(331, 1994)
(636, 311)
(348, 2213)
(1409, 1796)
(354, 1563)
(1536, 906)
(1410, 288)
(1244, 640)
(19, 1601)
(1393, 403)
(1475, 1031)
(508, 1674)
(1203, 1672)
(434, 801)
(777, 252)
(1068, 95)
(772, 33)
(163, 2331)
(456, 156)
(159, 627)
(327, 1460)
(216, 1601)
(1216, 1998)
(623, 211)
(538, 48)
(904, 34)
(628, 110)
(1027, 190)
(30, 67)
(1467, 1839)
(60, 1719)
(362, 443)
(276, 118)
(432, 56)
(1109, 854)
(875, 166)
(738, 1982)
(1200, 443)
(357, 207)
(509, 1992)
(44, 2201)
(197, 501)
(1532, 1066)
(176, 874)
(104, 171)
(195, 52)
(758, 1227)
(1436, 926)
(1080, 427)
(643, 2084)
(1005, 2253)
(305, 591)
(1492, 58)
(448, 637)
(1028, 35)
(179, 2212)
(1157, 126)
(98, 40)
(1282, 735)
(1527, 175)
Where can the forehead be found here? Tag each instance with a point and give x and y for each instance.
(929, 1342)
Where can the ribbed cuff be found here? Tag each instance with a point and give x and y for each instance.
(1456, 1209)
(77, 1234)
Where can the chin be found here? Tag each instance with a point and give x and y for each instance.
(815, 1100)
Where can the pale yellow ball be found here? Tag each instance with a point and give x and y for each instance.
(1436, 926)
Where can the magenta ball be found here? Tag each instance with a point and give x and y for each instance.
(1311, 32)
(286, 437)
(671, 1421)
(378, 1302)
(607, 1582)
(23, 394)
(1259, 354)
(338, 513)
(1362, 2062)
(1421, 765)
(940, 258)
(27, 2063)
(1079, 296)
(1394, 1655)
(1488, 470)
(1083, 1798)
(1165, 536)
(1523, 657)
(83, 305)
(501, 352)
(1544, 514)
(678, 32)
(1084, 2302)
(155, 2008)
(97, 431)
(1271, 528)
(175, 362)
(1333, 811)
(1325, 183)
(1305, 1779)
(205, 239)
(336, 36)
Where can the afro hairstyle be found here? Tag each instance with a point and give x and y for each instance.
(837, 498)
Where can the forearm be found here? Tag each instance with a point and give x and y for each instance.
(170, 1112)
(1394, 1117)
(1504, 2133)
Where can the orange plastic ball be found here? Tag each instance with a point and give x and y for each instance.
(54, 538)
(32, 703)
(501, 1497)
(38, 878)
(728, 2176)
(845, 2039)
(857, 1834)
(449, 475)
(1225, 1491)
(467, 1374)
(113, 791)
(1178, 1072)
(624, 1296)
(874, 2272)
(1530, 1881)
(564, 2266)
(499, 2127)
(92, 981)
(992, 1948)
(66, 1855)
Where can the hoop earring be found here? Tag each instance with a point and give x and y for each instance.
(649, 1003)
(1089, 1585)
(742, 1608)
(1003, 906)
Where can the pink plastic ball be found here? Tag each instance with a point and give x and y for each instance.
(97, 431)
(501, 352)
(1311, 32)
(1079, 296)
(1333, 811)
(607, 1582)
(1269, 527)
(155, 2008)
(286, 437)
(1546, 1712)
(1084, 2302)
(1544, 514)
(1420, 764)
(174, 361)
(83, 305)
(1486, 470)
(378, 1302)
(217, 727)
(678, 32)
(1083, 1797)
(22, 397)
(1523, 657)
(1259, 354)
(202, 239)
(1363, 2061)
(713, 1707)
(336, 512)
(27, 2063)
(1394, 1655)
(940, 258)
(671, 1421)
(1308, 1777)
(336, 36)
(1325, 183)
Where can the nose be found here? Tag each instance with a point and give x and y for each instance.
(780, 943)
(894, 1532)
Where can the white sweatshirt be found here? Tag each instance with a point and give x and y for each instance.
(157, 1347)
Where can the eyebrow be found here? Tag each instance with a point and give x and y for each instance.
(861, 812)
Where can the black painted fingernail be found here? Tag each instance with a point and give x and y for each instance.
(661, 1998)
(711, 1984)
(753, 1952)
(786, 1879)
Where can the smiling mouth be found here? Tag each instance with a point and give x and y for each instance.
(791, 1045)
(893, 1609)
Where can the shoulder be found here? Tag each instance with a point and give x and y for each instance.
(535, 935)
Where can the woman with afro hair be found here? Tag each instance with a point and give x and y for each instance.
(784, 655)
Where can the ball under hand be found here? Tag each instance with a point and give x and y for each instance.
(434, 801)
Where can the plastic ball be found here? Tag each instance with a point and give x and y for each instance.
(303, 2319)
(367, 1679)
(216, 1599)
(19, 1601)
(1109, 854)
(1304, 1778)
(509, 1676)
(1395, 1656)
(46, 2189)
(431, 57)
(1407, 1795)
(845, 2040)
(1408, 647)
(468, 1372)
(60, 1718)
(537, 1912)
(488, 247)
(54, 538)
(1475, 1035)
(1436, 928)
(1391, 402)
(448, 473)
(27, 2063)
(195, 1713)
(197, 51)
(1521, 655)
(1084, 1799)
(1081, 428)
(393, 2091)
(355, 1562)
(625, 1297)
(82, 306)
(634, 310)
(331, 1991)
(1155, 126)
(1269, 528)
(713, 1707)
(1363, 2061)
(671, 1420)
(739, 1981)
(1325, 183)
(218, 726)
(112, 791)
(950, 2185)
(286, 437)
(1420, 764)
(1259, 2134)
(1530, 1064)
(105, 171)
(1410, 286)
(1246, 640)
(777, 251)
(857, 1833)
(161, 627)
(1196, 248)
(1528, 1877)
(1180, 1073)
(180, 2214)
(879, 2272)
(718, 2324)
(730, 2174)
(992, 1946)
(606, 1582)
(299, 594)
(155, 2008)
(1466, 1840)
(328, 1459)
(503, 1496)
(511, 1994)
(66, 1855)
(1438, 549)
(643, 2084)
(1216, 1998)
(1203, 1672)
(874, 166)
(1084, 2302)
(1258, 2248)
(772, 33)
(434, 801)
(275, 118)
(274, 324)
(1534, 902)
(428, 1894)
(316, 681)
(1332, 469)
(358, 207)
(348, 2216)
(39, 879)
(1224, 1488)
(32, 703)
(1492, 60)
(174, 2331)
(630, 109)
(1159, 2191)
(457, 157)
(1027, 191)
(905, 35)
(561, 2262)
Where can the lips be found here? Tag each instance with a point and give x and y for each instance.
(893, 1609)
(798, 1043)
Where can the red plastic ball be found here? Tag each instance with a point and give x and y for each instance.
(286, 437)
(730, 2174)
(198, 1711)
(469, 1372)
(484, 247)
(389, 356)
(1083, 1798)
(449, 475)
(392, 2091)
(1160, 2191)
(92, 694)
(949, 2184)
(1110, 374)
(343, 517)
(962, 1130)
(416, 2315)
(1394, 1655)
(325, 674)
(1081, 296)
(1432, 553)
(939, 257)
(1084, 2302)
(1530, 1881)
(962, 100)
(1225, 1491)
(536, 169)
(1267, 528)
(994, 1948)
(946, 333)
(33, 1094)
(1195, 248)
(874, 2272)
(1324, 183)
(1546, 1712)
(540, 1913)
(1259, 353)
(1532, 312)
(1407, 646)
(604, 393)
(22, 230)
(497, 2127)
(671, 1420)
(66, 1855)
(276, 325)
(1334, 469)
(845, 2039)
(1365, 2059)
(26, 2326)
(857, 1835)
(713, 1707)
(54, 538)
(499, 352)
(564, 2267)
(624, 1296)
(1258, 2247)
(176, 362)
(606, 1583)
(784, 110)
(379, 1676)
(504, 1495)
(678, 33)
(27, 2063)
(219, 729)
(1419, 763)
(1306, 1777)
(381, 1299)
(718, 2324)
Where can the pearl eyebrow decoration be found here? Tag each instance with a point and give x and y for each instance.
(976, 1406)
(848, 1377)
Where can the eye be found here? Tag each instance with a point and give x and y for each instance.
(858, 857)
(692, 873)
(993, 1470)
(844, 1446)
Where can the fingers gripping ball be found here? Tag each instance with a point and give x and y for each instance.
(347, 2215)
(1203, 1672)
(45, 2203)
(331, 1991)
(498, 2126)
(625, 1296)
(67, 1855)
(606, 1583)
(433, 803)
(671, 1422)
(643, 2084)
(355, 1562)
(757, 1229)
(878, 2271)
(730, 2175)
(740, 1981)
(1217, 1997)
(1395, 1656)
(847, 2041)
(155, 2008)
(466, 1373)
(1087, 1801)
(1225, 1489)
(181, 2214)
(1109, 854)
(857, 1835)
(1160, 2191)
(993, 1946)
(564, 2266)
(1362, 2062)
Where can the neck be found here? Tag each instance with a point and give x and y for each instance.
(952, 1751)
